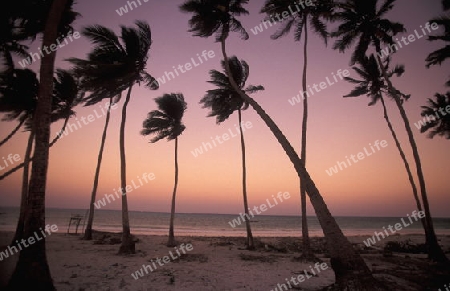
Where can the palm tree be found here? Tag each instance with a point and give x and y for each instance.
(65, 98)
(373, 86)
(32, 270)
(111, 68)
(363, 22)
(209, 18)
(223, 102)
(166, 122)
(440, 55)
(313, 15)
(437, 125)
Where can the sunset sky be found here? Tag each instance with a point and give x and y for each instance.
(211, 182)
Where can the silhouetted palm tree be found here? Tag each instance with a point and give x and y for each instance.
(314, 15)
(166, 122)
(112, 67)
(373, 86)
(438, 120)
(32, 270)
(223, 102)
(213, 17)
(363, 22)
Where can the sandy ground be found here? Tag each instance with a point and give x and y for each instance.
(220, 263)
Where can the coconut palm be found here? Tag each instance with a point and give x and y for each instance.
(166, 122)
(65, 98)
(114, 66)
(223, 102)
(363, 22)
(372, 85)
(440, 120)
(32, 270)
(315, 16)
(213, 17)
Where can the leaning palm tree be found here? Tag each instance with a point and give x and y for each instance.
(65, 97)
(315, 16)
(364, 23)
(213, 17)
(166, 122)
(223, 102)
(114, 66)
(439, 123)
(32, 270)
(373, 86)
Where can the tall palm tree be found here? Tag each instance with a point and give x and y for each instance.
(166, 122)
(438, 125)
(373, 86)
(223, 102)
(364, 23)
(212, 17)
(315, 16)
(65, 98)
(32, 270)
(114, 66)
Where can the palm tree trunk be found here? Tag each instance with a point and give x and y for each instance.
(405, 162)
(351, 271)
(127, 246)
(60, 133)
(88, 231)
(435, 252)
(250, 244)
(306, 247)
(24, 196)
(22, 121)
(32, 270)
(172, 242)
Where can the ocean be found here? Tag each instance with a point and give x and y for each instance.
(192, 224)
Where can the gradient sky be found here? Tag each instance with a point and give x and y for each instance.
(211, 182)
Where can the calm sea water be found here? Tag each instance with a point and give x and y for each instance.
(217, 224)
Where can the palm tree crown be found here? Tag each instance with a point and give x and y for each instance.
(124, 63)
(438, 125)
(315, 13)
(224, 100)
(362, 22)
(167, 121)
(215, 17)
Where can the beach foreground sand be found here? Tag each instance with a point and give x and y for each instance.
(221, 263)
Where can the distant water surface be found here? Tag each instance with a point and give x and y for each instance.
(218, 224)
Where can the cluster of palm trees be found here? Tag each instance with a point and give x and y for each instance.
(117, 63)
